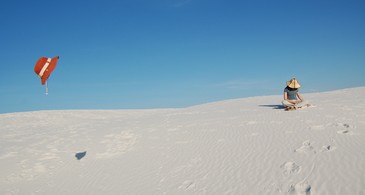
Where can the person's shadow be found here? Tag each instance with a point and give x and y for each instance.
(274, 106)
(80, 155)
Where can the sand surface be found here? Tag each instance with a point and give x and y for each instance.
(241, 146)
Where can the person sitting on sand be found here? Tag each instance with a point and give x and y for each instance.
(292, 98)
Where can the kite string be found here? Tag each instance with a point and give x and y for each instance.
(46, 87)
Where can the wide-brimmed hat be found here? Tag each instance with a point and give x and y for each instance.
(293, 83)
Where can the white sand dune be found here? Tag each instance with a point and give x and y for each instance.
(241, 146)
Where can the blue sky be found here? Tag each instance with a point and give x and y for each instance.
(126, 54)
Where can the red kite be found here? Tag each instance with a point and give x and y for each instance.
(44, 68)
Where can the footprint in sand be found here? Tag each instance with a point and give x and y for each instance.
(327, 148)
(344, 128)
(344, 132)
(343, 125)
(301, 188)
(290, 168)
(305, 148)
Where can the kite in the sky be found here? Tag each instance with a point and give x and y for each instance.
(44, 68)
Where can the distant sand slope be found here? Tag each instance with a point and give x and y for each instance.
(241, 146)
